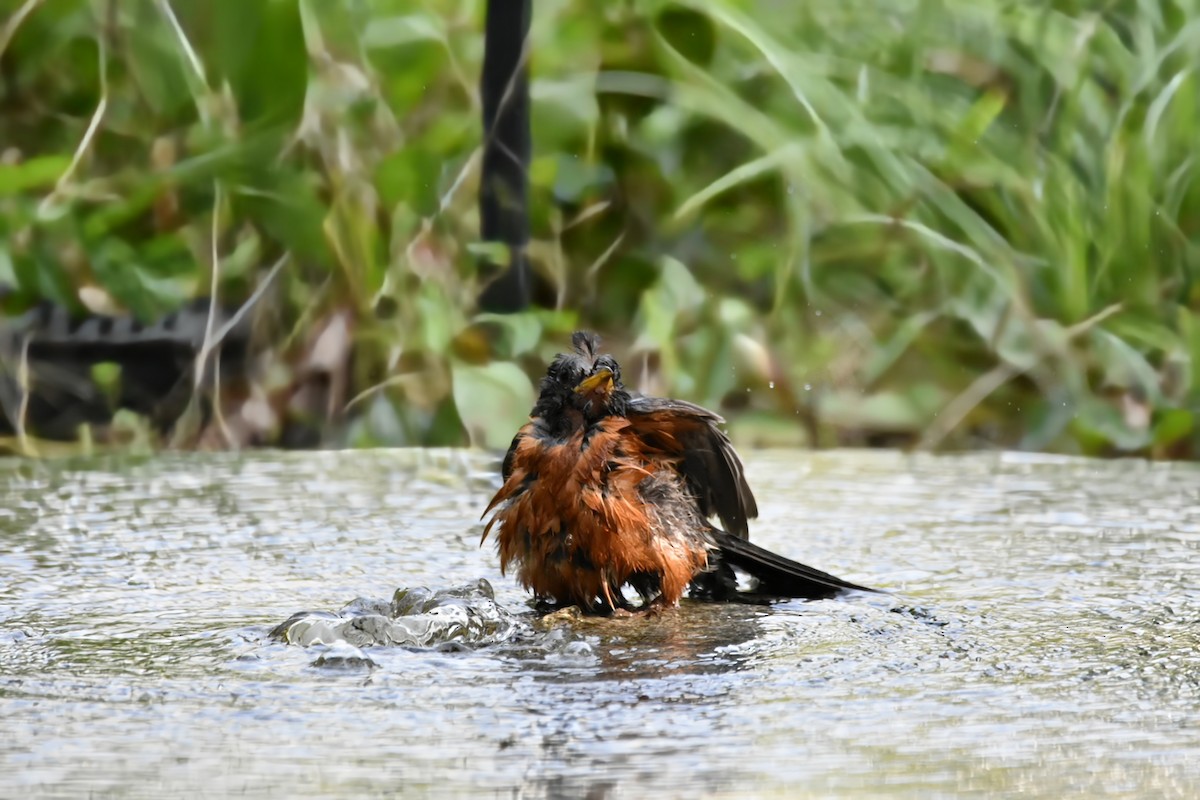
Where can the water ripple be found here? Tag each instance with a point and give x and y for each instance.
(238, 618)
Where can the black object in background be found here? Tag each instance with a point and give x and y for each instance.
(504, 187)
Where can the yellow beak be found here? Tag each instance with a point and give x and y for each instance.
(601, 380)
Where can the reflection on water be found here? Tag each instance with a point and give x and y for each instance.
(326, 624)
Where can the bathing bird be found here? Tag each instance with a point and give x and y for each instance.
(605, 488)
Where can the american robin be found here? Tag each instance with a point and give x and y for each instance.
(605, 488)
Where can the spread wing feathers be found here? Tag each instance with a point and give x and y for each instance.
(704, 456)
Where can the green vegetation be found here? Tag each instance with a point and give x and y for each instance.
(934, 222)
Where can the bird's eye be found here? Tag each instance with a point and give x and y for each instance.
(610, 363)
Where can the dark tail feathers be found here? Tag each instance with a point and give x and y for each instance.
(779, 576)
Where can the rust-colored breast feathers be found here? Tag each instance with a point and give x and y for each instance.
(573, 520)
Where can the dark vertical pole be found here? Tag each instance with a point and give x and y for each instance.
(504, 187)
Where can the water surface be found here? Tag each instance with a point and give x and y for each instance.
(1042, 636)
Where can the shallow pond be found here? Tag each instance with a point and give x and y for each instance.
(1042, 636)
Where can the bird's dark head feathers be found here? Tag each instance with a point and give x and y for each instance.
(586, 344)
(585, 380)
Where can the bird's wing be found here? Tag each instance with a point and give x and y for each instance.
(507, 467)
(706, 458)
(512, 485)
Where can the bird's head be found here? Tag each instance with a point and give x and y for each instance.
(585, 380)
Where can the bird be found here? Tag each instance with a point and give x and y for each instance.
(605, 488)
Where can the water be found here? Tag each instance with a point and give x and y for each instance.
(1042, 637)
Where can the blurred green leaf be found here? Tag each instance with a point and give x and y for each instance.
(493, 401)
(690, 32)
(1101, 423)
(292, 212)
(107, 377)
(523, 331)
(155, 63)
(1125, 367)
(402, 30)
(883, 357)
(36, 173)
(496, 253)
(1174, 425)
(8, 273)
(260, 49)
(438, 321)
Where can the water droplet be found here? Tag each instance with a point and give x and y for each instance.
(808, 387)
(818, 312)
(771, 385)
